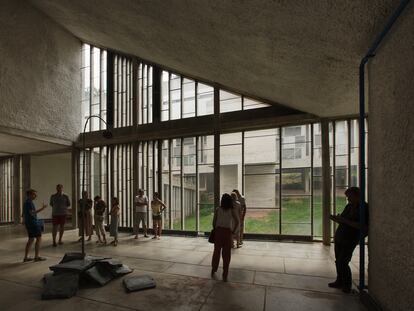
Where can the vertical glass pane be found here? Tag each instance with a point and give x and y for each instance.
(140, 94)
(317, 180)
(205, 99)
(103, 84)
(165, 181)
(341, 164)
(354, 143)
(230, 162)
(145, 94)
(165, 92)
(176, 183)
(86, 84)
(96, 90)
(189, 183)
(261, 181)
(150, 94)
(229, 102)
(205, 162)
(150, 176)
(175, 97)
(188, 98)
(253, 104)
(296, 180)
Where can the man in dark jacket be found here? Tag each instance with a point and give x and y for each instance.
(347, 238)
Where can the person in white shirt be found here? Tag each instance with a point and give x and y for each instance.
(225, 223)
(140, 213)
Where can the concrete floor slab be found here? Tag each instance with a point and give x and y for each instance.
(172, 292)
(260, 274)
(295, 300)
(235, 297)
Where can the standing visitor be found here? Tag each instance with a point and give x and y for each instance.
(242, 201)
(140, 213)
(113, 228)
(60, 206)
(33, 227)
(99, 211)
(85, 217)
(225, 222)
(347, 238)
(157, 207)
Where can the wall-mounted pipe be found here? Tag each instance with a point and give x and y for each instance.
(362, 177)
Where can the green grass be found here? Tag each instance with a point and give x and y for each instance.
(296, 218)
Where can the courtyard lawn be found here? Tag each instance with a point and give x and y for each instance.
(296, 218)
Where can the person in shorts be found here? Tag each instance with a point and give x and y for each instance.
(157, 207)
(60, 204)
(140, 213)
(33, 228)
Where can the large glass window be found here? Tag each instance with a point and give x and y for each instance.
(231, 162)
(94, 86)
(279, 171)
(205, 175)
(261, 181)
(296, 180)
(344, 153)
(123, 92)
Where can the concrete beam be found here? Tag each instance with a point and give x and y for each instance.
(254, 119)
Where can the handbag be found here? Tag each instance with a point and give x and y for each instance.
(211, 236)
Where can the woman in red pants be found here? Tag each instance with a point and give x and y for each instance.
(225, 223)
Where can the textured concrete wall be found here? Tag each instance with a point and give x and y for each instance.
(39, 73)
(391, 171)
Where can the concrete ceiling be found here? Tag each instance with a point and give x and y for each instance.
(303, 54)
(13, 144)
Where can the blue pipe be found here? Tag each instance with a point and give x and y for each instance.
(362, 177)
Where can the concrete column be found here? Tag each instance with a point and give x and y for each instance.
(156, 94)
(326, 179)
(17, 198)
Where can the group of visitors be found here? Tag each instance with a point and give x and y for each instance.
(228, 225)
(60, 204)
(99, 207)
(139, 216)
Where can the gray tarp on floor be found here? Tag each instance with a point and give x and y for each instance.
(63, 285)
(137, 283)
